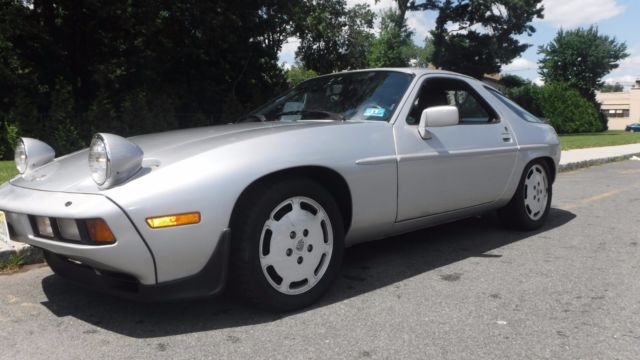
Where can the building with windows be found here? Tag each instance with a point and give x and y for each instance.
(621, 108)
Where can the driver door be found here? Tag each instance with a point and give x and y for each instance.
(459, 166)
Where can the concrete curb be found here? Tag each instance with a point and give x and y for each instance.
(594, 162)
(28, 253)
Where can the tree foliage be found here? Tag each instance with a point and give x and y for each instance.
(567, 110)
(521, 91)
(393, 47)
(617, 87)
(70, 68)
(476, 37)
(333, 37)
(297, 74)
(512, 81)
(581, 58)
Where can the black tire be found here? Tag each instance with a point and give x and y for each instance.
(515, 214)
(247, 276)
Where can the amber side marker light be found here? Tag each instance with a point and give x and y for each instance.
(173, 220)
(99, 231)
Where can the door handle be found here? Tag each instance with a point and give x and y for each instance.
(506, 135)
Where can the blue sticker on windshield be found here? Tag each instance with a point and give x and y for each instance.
(377, 112)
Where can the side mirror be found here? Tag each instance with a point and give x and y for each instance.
(437, 116)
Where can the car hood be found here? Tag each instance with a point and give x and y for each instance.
(70, 173)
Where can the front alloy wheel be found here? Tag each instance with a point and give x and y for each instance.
(288, 241)
(296, 245)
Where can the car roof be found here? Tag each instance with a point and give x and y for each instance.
(408, 70)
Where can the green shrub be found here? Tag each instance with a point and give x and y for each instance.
(23, 115)
(66, 138)
(8, 139)
(567, 110)
(11, 131)
(524, 95)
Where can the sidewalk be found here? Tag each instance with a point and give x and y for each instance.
(571, 160)
(579, 158)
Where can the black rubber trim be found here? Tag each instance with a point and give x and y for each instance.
(155, 264)
(211, 280)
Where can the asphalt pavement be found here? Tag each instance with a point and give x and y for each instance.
(466, 290)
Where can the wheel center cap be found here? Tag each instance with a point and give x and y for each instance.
(300, 245)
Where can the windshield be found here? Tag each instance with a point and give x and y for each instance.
(366, 95)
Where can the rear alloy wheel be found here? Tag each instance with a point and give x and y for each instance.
(529, 207)
(536, 195)
(288, 246)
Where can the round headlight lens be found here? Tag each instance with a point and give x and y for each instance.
(98, 160)
(21, 157)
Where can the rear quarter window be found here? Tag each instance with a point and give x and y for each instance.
(522, 113)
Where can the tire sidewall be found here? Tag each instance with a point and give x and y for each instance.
(519, 206)
(263, 202)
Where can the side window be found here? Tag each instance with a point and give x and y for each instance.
(513, 106)
(445, 91)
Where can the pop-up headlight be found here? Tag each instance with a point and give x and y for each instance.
(30, 154)
(113, 159)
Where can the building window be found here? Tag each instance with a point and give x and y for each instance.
(621, 113)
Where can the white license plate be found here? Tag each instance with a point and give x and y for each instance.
(4, 229)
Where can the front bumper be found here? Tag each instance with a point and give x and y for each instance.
(126, 268)
(129, 255)
(211, 280)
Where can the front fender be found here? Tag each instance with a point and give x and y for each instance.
(212, 181)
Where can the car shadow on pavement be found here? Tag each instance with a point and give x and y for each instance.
(367, 267)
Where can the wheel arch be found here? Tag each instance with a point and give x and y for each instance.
(330, 179)
(551, 165)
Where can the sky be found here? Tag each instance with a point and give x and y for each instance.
(617, 18)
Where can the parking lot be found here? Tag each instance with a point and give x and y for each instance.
(466, 290)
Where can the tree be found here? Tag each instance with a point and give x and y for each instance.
(404, 5)
(65, 134)
(393, 47)
(332, 36)
(580, 58)
(12, 14)
(297, 74)
(617, 87)
(96, 65)
(476, 37)
(422, 56)
(513, 81)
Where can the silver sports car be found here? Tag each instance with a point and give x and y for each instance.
(268, 204)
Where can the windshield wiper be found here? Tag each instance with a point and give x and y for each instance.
(311, 113)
